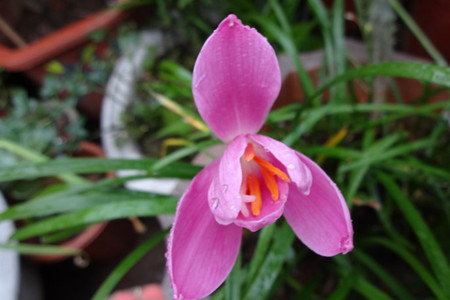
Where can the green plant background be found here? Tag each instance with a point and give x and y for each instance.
(392, 162)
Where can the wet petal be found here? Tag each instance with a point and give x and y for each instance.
(321, 220)
(298, 172)
(201, 252)
(224, 192)
(236, 79)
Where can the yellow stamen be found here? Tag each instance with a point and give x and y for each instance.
(255, 190)
(249, 153)
(271, 183)
(264, 164)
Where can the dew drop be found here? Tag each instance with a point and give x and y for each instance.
(225, 188)
(290, 166)
(215, 202)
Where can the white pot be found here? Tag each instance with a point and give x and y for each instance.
(120, 91)
(9, 260)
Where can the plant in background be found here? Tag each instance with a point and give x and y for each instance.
(390, 160)
(50, 127)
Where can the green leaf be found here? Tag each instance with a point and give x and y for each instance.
(418, 33)
(39, 249)
(387, 154)
(413, 262)
(271, 266)
(95, 165)
(50, 205)
(265, 236)
(114, 277)
(345, 286)
(370, 291)
(411, 163)
(98, 213)
(430, 246)
(233, 282)
(312, 116)
(420, 71)
(382, 274)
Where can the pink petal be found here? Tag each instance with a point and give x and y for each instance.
(236, 79)
(201, 253)
(224, 193)
(299, 174)
(321, 220)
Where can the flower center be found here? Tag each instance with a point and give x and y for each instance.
(251, 186)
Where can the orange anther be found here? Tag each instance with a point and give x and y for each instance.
(249, 153)
(271, 183)
(264, 164)
(255, 190)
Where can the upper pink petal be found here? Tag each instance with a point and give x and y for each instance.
(201, 252)
(321, 219)
(298, 172)
(224, 192)
(236, 79)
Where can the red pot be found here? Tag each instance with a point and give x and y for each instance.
(58, 42)
(433, 17)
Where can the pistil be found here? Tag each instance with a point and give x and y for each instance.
(252, 186)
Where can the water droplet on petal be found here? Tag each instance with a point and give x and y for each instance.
(290, 166)
(346, 245)
(225, 188)
(215, 202)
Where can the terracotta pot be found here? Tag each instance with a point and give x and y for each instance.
(291, 91)
(433, 17)
(86, 237)
(58, 42)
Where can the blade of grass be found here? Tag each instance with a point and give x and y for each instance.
(272, 264)
(421, 71)
(369, 290)
(95, 165)
(98, 213)
(281, 17)
(413, 262)
(39, 249)
(418, 33)
(337, 33)
(114, 277)
(49, 206)
(317, 114)
(345, 286)
(387, 154)
(430, 246)
(36, 157)
(262, 246)
(400, 291)
(410, 163)
(233, 282)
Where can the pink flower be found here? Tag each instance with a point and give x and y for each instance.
(256, 180)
